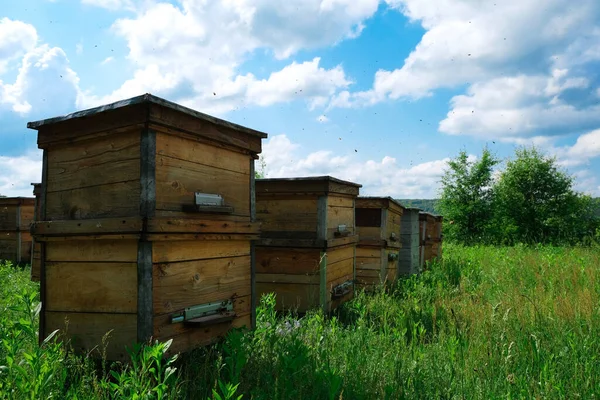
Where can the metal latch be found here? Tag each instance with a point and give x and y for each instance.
(210, 203)
(204, 314)
(392, 256)
(341, 231)
(342, 289)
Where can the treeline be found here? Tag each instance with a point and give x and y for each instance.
(427, 205)
(530, 200)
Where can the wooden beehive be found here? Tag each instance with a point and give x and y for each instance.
(378, 222)
(16, 215)
(36, 246)
(308, 241)
(436, 247)
(409, 260)
(146, 225)
(427, 230)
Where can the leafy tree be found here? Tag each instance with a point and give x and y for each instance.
(467, 196)
(260, 172)
(535, 202)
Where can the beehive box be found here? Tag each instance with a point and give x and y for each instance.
(308, 241)
(378, 224)
(436, 247)
(409, 260)
(146, 225)
(36, 246)
(427, 228)
(16, 215)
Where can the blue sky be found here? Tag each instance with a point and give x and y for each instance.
(376, 92)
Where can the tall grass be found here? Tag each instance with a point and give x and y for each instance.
(485, 323)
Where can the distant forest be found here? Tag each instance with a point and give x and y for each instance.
(432, 205)
(428, 205)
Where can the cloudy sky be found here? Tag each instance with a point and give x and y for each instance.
(376, 92)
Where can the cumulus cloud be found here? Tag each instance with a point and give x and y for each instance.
(521, 106)
(18, 173)
(16, 39)
(192, 53)
(530, 69)
(45, 83)
(383, 177)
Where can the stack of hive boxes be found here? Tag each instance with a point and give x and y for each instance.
(428, 229)
(308, 241)
(16, 216)
(409, 261)
(36, 246)
(378, 223)
(146, 225)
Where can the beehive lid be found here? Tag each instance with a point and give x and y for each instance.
(378, 202)
(306, 185)
(15, 201)
(141, 110)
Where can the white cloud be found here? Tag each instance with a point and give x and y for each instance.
(379, 178)
(45, 83)
(322, 119)
(511, 108)
(107, 60)
(469, 41)
(585, 148)
(518, 82)
(112, 5)
(16, 39)
(192, 53)
(18, 173)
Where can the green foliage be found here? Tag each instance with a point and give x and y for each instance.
(428, 205)
(29, 370)
(536, 202)
(260, 172)
(532, 201)
(487, 322)
(467, 196)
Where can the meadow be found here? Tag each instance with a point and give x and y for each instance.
(486, 323)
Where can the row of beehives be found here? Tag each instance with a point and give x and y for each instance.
(149, 225)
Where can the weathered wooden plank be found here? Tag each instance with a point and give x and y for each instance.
(103, 201)
(289, 296)
(92, 251)
(86, 330)
(191, 149)
(368, 233)
(202, 225)
(309, 243)
(96, 287)
(340, 253)
(339, 216)
(191, 250)
(197, 337)
(184, 284)
(163, 328)
(340, 270)
(312, 279)
(340, 201)
(8, 217)
(99, 226)
(95, 162)
(174, 121)
(178, 180)
(271, 260)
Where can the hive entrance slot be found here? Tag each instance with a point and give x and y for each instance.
(342, 289)
(206, 314)
(208, 203)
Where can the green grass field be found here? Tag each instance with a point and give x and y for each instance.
(521, 322)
